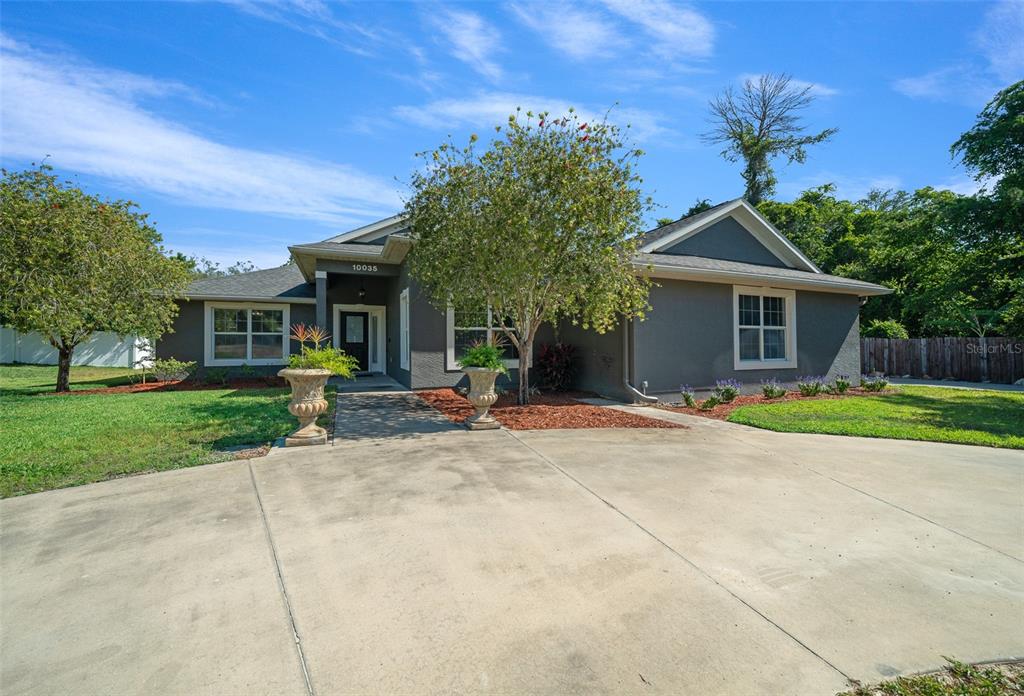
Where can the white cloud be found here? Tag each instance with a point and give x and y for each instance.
(88, 120)
(488, 109)
(1001, 40)
(963, 83)
(677, 31)
(315, 18)
(572, 30)
(471, 40)
(817, 89)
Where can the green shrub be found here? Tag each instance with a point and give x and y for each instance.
(873, 384)
(483, 355)
(216, 375)
(810, 386)
(840, 384)
(709, 403)
(771, 389)
(688, 396)
(885, 328)
(726, 390)
(247, 371)
(169, 369)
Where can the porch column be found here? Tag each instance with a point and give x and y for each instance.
(321, 299)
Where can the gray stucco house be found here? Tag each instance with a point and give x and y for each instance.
(733, 298)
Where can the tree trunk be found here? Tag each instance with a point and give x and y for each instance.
(64, 368)
(524, 372)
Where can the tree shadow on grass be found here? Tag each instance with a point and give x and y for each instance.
(249, 416)
(989, 413)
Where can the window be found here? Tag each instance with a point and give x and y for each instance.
(467, 326)
(403, 329)
(764, 323)
(239, 333)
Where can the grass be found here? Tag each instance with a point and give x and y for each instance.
(956, 679)
(51, 442)
(936, 414)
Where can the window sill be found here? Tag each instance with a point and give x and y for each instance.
(765, 365)
(232, 362)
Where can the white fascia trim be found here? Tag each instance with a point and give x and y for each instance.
(243, 298)
(776, 243)
(210, 361)
(375, 230)
(710, 275)
(403, 329)
(790, 297)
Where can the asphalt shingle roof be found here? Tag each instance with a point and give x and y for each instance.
(702, 263)
(284, 282)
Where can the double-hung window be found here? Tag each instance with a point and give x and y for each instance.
(467, 326)
(764, 328)
(253, 334)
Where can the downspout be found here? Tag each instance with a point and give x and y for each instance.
(638, 396)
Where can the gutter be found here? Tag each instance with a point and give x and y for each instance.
(716, 275)
(638, 396)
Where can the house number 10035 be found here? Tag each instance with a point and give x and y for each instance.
(364, 267)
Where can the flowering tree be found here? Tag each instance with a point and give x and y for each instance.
(72, 264)
(538, 227)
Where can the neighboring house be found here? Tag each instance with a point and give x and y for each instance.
(733, 298)
(102, 349)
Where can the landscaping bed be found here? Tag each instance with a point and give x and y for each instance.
(724, 410)
(545, 412)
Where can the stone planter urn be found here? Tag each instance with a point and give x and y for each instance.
(482, 396)
(307, 404)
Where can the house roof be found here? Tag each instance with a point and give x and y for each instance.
(284, 283)
(651, 236)
(720, 270)
(743, 212)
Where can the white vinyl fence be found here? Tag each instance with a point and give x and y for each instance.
(101, 350)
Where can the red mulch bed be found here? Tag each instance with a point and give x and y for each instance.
(545, 412)
(178, 385)
(722, 411)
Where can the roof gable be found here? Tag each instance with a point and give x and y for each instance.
(372, 233)
(671, 236)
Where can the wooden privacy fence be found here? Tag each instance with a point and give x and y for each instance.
(965, 358)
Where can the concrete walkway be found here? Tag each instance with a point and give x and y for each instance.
(415, 557)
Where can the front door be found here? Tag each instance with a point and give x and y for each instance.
(355, 337)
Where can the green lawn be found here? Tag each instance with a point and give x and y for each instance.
(956, 679)
(57, 441)
(938, 414)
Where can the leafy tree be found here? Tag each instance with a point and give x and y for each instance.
(700, 206)
(540, 226)
(760, 123)
(885, 328)
(201, 267)
(72, 264)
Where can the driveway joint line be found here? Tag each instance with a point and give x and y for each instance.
(676, 553)
(281, 586)
(881, 500)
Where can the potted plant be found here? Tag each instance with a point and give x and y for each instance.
(482, 364)
(307, 373)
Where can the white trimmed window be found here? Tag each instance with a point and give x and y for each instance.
(403, 328)
(764, 328)
(251, 334)
(468, 326)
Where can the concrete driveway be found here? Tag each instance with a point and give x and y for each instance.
(713, 560)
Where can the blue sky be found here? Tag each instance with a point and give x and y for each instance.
(244, 127)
